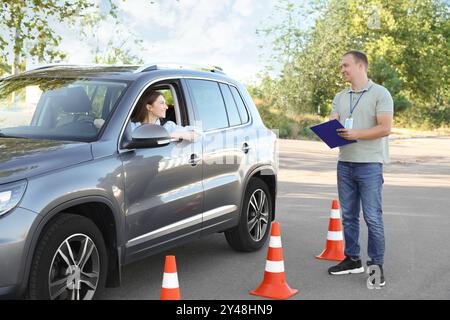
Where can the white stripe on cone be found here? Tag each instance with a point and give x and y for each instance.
(170, 281)
(275, 242)
(335, 235)
(335, 214)
(274, 266)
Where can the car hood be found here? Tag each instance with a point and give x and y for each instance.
(22, 158)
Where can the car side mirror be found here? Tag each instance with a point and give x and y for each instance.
(148, 136)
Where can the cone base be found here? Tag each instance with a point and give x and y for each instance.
(334, 255)
(170, 294)
(281, 291)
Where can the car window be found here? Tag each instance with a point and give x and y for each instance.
(55, 108)
(103, 97)
(171, 109)
(233, 114)
(209, 104)
(240, 104)
(172, 112)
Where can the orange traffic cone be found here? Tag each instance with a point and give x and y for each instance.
(274, 283)
(334, 249)
(170, 289)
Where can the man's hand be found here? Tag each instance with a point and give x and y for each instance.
(382, 129)
(348, 134)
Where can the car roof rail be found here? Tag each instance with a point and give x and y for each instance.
(51, 65)
(173, 65)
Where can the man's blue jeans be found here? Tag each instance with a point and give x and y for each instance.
(362, 183)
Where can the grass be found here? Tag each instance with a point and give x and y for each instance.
(291, 126)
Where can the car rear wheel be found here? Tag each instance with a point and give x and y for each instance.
(255, 220)
(70, 262)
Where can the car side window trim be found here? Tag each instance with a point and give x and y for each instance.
(136, 100)
(176, 104)
(250, 118)
(243, 102)
(248, 123)
(229, 108)
(196, 108)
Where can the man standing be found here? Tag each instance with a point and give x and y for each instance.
(366, 111)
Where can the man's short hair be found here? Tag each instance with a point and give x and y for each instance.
(359, 56)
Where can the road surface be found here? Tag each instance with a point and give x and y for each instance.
(417, 225)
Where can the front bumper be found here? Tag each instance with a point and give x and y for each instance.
(15, 228)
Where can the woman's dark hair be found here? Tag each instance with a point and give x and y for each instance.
(141, 111)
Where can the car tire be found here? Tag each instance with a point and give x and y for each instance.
(70, 254)
(244, 236)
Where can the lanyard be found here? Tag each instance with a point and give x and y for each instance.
(353, 109)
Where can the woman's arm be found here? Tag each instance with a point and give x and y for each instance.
(179, 132)
(185, 135)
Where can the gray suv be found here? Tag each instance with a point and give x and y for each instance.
(82, 194)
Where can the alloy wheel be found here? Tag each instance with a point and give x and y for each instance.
(258, 215)
(75, 269)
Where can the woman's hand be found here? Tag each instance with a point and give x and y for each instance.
(191, 135)
(185, 135)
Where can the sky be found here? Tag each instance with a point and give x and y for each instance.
(206, 32)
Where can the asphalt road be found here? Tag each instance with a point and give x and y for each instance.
(417, 225)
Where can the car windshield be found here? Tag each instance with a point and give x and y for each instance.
(56, 108)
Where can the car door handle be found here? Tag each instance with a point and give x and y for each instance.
(245, 147)
(194, 160)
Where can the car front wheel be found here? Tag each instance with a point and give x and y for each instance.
(70, 262)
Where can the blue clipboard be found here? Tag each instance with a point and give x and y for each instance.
(326, 131)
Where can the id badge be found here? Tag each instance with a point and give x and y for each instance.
(348, 123)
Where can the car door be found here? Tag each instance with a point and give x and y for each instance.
(163, 192)
(222, 154)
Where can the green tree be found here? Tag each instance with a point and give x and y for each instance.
(122, 48)
(383, 72)
(29, 30)
(407, 42)
(118, 53)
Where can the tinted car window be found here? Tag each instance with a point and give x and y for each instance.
(233, 114)
(240, 104)
(209, 104)
(103, 96)
(56, 108)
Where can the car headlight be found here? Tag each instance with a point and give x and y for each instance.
(10, 195)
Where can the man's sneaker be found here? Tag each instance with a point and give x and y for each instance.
(371, 272)
(346, 267)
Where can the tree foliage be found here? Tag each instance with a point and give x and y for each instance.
(31, 30)
(123, 47)
(28, 26)
(407, 42)
(28, 29)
